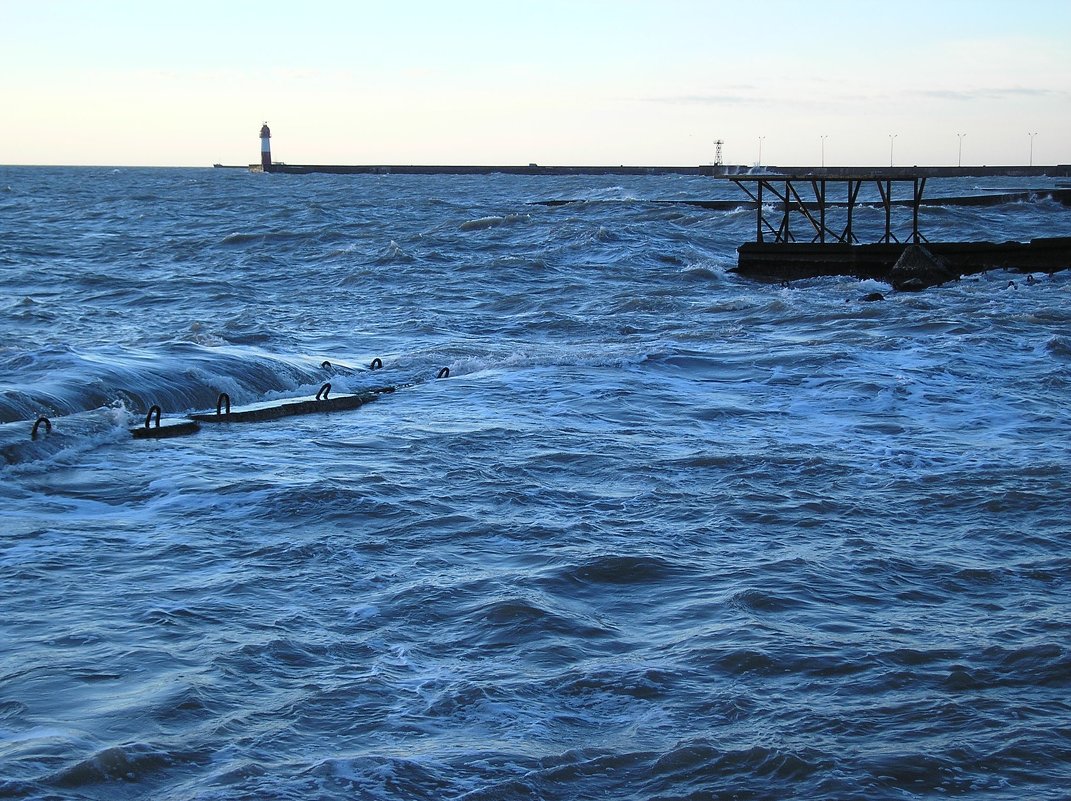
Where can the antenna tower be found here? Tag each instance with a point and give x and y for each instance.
(717, 152)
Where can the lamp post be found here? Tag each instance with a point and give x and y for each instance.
(959, 162)
(892, 138)
(823, 137)
(1032, 135)
(760, 149)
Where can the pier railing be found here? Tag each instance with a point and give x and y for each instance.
(781, 198)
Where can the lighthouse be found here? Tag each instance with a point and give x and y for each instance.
(265, 147)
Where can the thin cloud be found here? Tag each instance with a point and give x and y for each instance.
(988, 94)
(707, 100)
(746, 96)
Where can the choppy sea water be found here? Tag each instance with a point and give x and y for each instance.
(663, 533)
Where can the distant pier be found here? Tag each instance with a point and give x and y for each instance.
(709, 170)
(465, 169)
(719, 170)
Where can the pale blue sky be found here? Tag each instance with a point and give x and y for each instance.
(596, 82)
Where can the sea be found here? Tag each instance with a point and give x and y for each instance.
(658, 532)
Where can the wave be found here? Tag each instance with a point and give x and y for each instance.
(63, 383)
(126, 763)
(317, 235)
(1059, 346)
(618, 569)
(693, 768)
(92, 399)
(494, 221)
(394, 254)
(63, 438)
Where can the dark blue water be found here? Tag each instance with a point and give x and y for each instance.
(663, 533)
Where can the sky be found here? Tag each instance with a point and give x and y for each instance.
(568, 82)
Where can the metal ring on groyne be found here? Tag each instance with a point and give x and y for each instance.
(224, 398)
(444, 373)
(324, 390)
(377, 364)
(148, 431)
(37, 424)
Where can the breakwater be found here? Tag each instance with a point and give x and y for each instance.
(710, 170)
(463, 169)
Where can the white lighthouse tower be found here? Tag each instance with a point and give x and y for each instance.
(265, 147)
